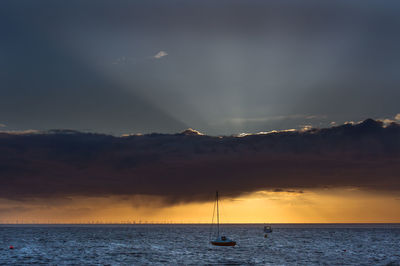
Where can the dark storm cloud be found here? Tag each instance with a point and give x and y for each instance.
(186, 167)
(227, 60)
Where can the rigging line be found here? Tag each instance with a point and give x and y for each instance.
(217, 213)
(212, 221)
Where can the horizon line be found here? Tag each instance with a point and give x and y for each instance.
(200, 223)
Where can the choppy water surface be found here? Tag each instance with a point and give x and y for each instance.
(189, 244)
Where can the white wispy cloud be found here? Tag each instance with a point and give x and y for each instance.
(305, 128)
(266, 132)
(130, 135)
(388, 121)
(160, 54)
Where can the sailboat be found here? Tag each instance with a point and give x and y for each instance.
(267, 229)
(221, 240)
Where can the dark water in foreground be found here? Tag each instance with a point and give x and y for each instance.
(189, 244)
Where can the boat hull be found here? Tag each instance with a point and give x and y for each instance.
(224, 243)
(267, 229)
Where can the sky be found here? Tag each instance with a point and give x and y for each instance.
(297, 101)
(221, 67)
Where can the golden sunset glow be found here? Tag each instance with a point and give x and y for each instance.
(344, 205)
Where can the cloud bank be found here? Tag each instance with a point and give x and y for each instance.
(186, 167)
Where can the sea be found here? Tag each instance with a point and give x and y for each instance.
(179, 244)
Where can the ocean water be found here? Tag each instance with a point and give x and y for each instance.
(328, 244)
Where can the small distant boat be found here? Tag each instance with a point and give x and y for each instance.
(221, 240)
(267, 229)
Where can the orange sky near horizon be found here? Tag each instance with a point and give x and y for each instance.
(345, 205)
